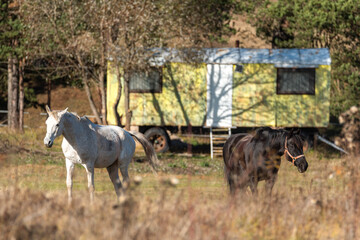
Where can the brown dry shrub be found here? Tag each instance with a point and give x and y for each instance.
(291, 213)
(349, 138)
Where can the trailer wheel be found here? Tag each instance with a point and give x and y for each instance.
(159, 139)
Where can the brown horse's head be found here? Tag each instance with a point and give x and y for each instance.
(289, 143)
(293, 146)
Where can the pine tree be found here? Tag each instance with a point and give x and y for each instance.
(10, 49)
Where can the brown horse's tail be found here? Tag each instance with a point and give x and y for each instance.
(231, 158)
(149, 149)
(228, 168)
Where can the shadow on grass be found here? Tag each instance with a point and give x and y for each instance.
(179, 146)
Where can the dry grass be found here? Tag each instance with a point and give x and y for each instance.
(323, 203)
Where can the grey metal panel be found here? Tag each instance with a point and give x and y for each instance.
(254, 55)
(285, 57)
(289, 56)
(285, 65)
(319, 56)
(223, 55)
(160, 56)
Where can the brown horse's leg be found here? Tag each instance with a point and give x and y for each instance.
(238, 181)
(269, 184)
(253, 185)
(231, 183)
(252, 175)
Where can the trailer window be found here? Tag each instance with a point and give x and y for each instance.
(239, 68)
(296, 81)
(146, 82)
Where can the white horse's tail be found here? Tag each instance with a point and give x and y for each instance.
(149, 149)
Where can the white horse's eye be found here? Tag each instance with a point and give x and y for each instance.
(57, 125)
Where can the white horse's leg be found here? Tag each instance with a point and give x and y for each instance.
(69, 175)
(124, 170)
(90, 176)
(114, 176)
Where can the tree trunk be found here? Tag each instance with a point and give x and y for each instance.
(127, 102)
(189, 145)
(48, 91)
(103, 96)
(118, 97)
(102, 71)
(10, 86)
(90, 98)
(103, 67)
(21, 94)
(13, 88)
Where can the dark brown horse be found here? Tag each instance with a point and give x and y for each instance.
(252, 158)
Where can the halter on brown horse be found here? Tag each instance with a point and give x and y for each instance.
(249, 158)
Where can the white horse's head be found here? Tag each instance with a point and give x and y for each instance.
(54, 126)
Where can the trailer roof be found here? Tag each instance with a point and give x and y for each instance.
(279, 57)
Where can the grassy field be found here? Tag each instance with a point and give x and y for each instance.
(322, 203)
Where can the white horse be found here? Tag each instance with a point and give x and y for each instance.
(94, 146)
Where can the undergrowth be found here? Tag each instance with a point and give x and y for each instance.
(322, 203)
(290, 213)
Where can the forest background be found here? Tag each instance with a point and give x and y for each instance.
(47, 44)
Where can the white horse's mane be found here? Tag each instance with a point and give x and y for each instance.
(76, 115)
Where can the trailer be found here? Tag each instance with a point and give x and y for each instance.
(230, 88)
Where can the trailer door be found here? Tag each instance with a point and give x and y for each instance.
(219, 95)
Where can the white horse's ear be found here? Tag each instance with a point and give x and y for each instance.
(62, 112)
(47, 109)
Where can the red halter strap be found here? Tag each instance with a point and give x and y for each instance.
(288, 153)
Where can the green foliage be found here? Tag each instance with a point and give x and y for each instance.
(345, 81)
(316, 24)
(178, 164)
(11, 29)
(204, 163)
(220, 14)
(30, 97)
(172, 165)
